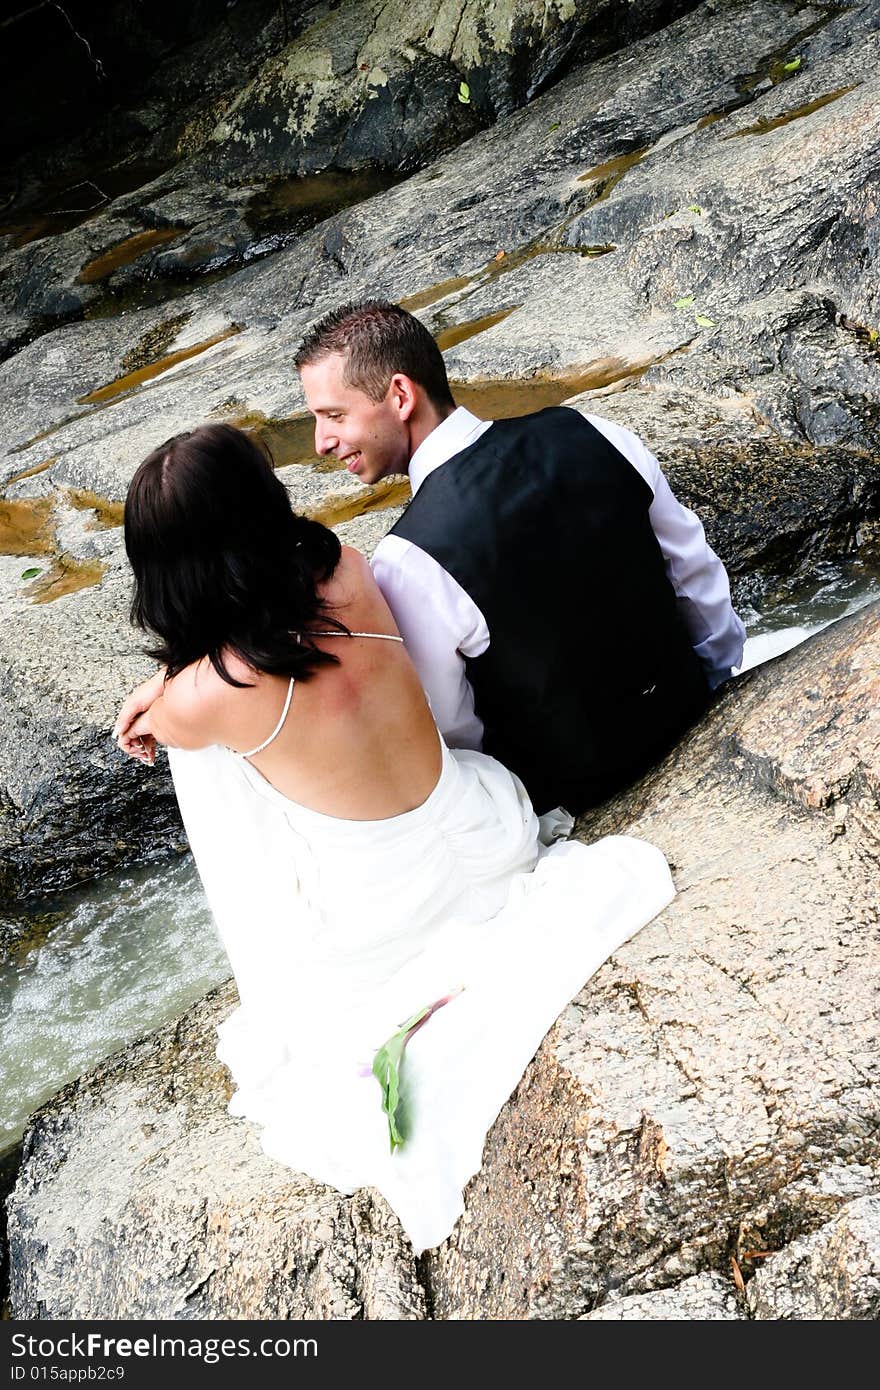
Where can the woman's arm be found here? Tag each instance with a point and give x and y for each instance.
(189, 713)
(142, 747)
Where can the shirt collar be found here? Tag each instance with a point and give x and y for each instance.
(452, 435)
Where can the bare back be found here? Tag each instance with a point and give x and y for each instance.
(358, 741)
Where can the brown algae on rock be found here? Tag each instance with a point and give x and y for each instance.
(123, 384)
(25, 526)
(766, 124)
(608, 174)
(153, 344)
(423, 298)
(448, 337)
(391, 492)
(30, 472)
(106, 514)
(293, 204)
(65, 576)
(501, 263)
(125, 252)
(289, 439)
(497, 400)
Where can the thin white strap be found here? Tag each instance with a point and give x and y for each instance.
(278, 727)
(383, 636)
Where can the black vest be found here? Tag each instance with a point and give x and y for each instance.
(589, 674)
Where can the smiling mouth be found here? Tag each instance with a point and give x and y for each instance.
(353, 461)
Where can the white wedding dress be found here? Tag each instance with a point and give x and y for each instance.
(338, 931)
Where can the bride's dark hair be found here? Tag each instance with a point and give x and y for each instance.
(221, 560)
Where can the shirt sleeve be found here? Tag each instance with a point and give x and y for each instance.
(440, 625)
(697, 575)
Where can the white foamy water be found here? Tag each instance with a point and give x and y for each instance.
(834, 592)
(128, 953)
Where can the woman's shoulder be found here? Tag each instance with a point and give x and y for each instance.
(352, 579)
(355, 563)
(201, 704)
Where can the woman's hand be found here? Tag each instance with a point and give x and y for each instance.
(132, 729)
(139, 741)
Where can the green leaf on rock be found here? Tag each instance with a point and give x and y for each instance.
(464, 93)
(554, 126)
(31, 573)
(703, 321)
(685, 302)
(695, 207)
(792, 66)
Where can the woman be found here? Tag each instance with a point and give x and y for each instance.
(361, 874)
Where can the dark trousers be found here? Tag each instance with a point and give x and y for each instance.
(629, 749)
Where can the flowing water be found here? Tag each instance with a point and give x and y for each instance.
(113, 960)
(102, 966)
(799, 608)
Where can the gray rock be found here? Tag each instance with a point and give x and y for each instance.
(72, 805)
(710, 1096)
(130, 255)
(378, 83)
(713, 1092)
(576, 312)
(704, 1297)
(346, 87)
(832, 1273)
(10, 1163)
(209, 1226)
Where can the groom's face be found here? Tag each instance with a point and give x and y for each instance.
(370, 437)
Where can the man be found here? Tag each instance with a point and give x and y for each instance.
(564, 611)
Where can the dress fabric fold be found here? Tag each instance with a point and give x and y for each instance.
(338, 931)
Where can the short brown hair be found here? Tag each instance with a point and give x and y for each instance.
(377, 339)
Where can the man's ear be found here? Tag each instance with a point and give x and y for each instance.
(402, 392)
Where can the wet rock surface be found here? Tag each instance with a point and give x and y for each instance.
(183, 1216)
(70, 806)
(358, 86)
(712, 1095)
(703, 1114)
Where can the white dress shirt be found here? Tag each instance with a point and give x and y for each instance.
(441, 625)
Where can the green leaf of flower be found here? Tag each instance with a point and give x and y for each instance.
(873, 335)
(792, 66)
(703, 321)
(685, 302)
(695, 207)
(388, 1062)
(386, 1069)
(31, 573)
(464, 93)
